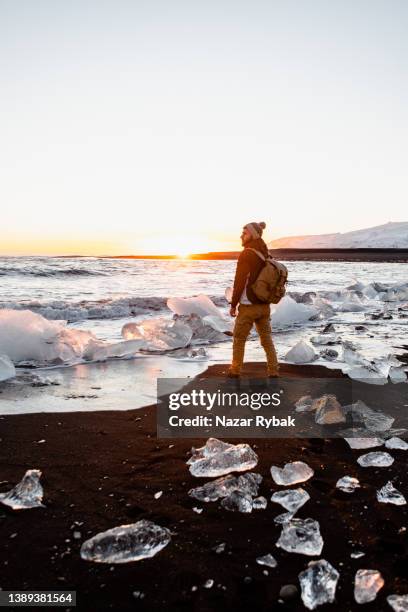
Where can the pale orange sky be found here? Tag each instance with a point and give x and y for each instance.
(127, 127)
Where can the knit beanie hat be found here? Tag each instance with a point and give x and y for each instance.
(255, 229)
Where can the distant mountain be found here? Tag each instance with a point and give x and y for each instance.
(388, 236)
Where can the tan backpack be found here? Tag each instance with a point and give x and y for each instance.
(270, 286)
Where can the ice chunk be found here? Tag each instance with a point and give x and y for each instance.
(323, 306)
(304, 404)
(126, 543)
(352, 303)
(329, 354)
(328, 410)
(100, 351)
(26, 336)
(355, 438)
(399, 603)
(7, 369)
(237, 501)
(301, 536)
(374, 420)
(289, 312)
(360, 368)
(28, 493)
(200, 305)
(268, 560)
(388, 494)
(203, 333)
(396, 443)
(284, 518)
(397, 375)
(302, 352)
(367, 583)
(348, 484)
(375, 459)
(291, 499)
(318, 584)
(217, 458)
(160, 334)
(224, 486)
(291, 473)
(220, 324)
(357, 555)
(259, 503)
(190, 354)
(325, 339)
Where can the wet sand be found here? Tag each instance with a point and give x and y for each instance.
(102, 469)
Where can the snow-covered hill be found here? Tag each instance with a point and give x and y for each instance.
(388, 236)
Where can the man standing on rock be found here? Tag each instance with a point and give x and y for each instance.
(250, 309)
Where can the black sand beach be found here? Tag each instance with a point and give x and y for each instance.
(102, 469)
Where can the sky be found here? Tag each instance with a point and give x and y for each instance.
(164, 126)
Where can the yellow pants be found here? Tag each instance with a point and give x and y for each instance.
(248, 314)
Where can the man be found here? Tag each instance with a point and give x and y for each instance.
(250, 310)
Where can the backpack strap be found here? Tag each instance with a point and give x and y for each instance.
(258, 253)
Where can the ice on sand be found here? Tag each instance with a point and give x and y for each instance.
(396, 443)
(237, 501)
(388, 494)
(217, 458)
(224, 486)
(301, 536)
(291, 499)
(374, 420)
(268, 560)
(399, 603)
(7, 369)
(328, 410)
(375, 459)
(288, 312)
(357, 442)
(259, 503)
(26, 336)
(367, 583)
(318, 584)
(28, 493)
(200, 305)
(304, 404)
(190, 354)
(397, 375)
(302, 352)
(159, 334)
(126, 543)
(291, 473)
(325, 339)
(203, 332)
(348, 484)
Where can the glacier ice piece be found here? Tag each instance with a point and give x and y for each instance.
(302, 352)
(397, 375)
(161, 334)
(304, 404)
(200, 305)
(220, 324)
(374, 420)
(301, 536)
(28, 493)
(237, 501)
(329, 354)
(284, 518)
(357, 554)
(291, 499)
(259, 503)
(126, 543)
(203, 332)
(217, 458)
(328, 410)
(289, 312)
(7, 369)
(352, 303)
(268, 560)
(357, 439)
(224, 486)
(367, 583)
(318, 583)
(291, 473)
(190, 354)
(396, 443)
(375, 459)
(399, 603)
(388, 494)
(325, 339)
(348, 484)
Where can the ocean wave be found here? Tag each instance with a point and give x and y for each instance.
(47, 272)
(119, 308)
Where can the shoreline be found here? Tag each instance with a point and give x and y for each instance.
(102, 469)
